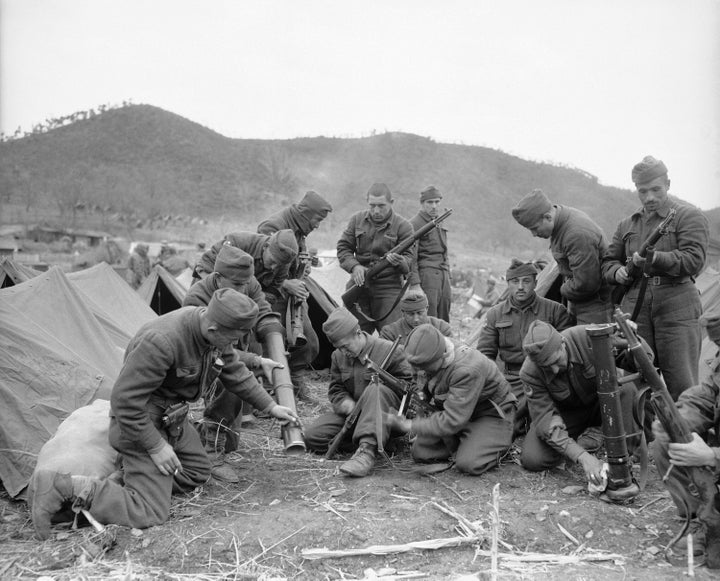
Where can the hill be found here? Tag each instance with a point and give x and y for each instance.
(140, 167)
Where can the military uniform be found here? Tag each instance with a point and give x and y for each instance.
(363, 243)
(668, 318)
(400, 328)
(431, 269)
(138, 269)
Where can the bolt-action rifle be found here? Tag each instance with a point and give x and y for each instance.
(296, 308)
(351, 296)
(702, 485)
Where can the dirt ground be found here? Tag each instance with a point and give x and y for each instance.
(285, 507)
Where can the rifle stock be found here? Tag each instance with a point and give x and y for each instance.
(352, 294)
(703, 485)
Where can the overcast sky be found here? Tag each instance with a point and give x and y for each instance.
(595, 84)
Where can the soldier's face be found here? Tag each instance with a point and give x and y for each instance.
(543, 227)
(431, 368)
(521, 287)
(380, 208)
(653, 194)
(315, 221)
(351, 345)
(415, 318)
(431, 207)
(558, 361)
(221, 337)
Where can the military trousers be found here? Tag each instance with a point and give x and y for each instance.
(375, 301)
(597, 310)
(478, 447)
(144, 498)
(435, 283)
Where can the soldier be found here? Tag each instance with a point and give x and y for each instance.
(475, 407)
(302, 218)
(368, 237)
(490, 298)
(578, 245)
(699, 406)
(561, 391)
(166, 364)
(414, 309)
(138, 267)
(506, 324)
(431, 268)
(670, 307)
(233, 269)
(349, 379)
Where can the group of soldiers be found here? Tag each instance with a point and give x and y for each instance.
(532, 373)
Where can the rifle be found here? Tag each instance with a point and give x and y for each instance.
(702, 480)
(633, 271)
(351, 296)
(296, 308)
(355, 413)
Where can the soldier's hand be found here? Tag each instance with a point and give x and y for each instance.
(166, 460)
(621, 276)
(394, 258)
(695, 453)
(638, 261)
(267, 365)
(358, 274)
(592, 467)
(296, 288)
(346, 406)
(660, 434)
(284, 413)
(398, 423)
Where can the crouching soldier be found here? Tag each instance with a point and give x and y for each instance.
(475, 407)
(349, 384)
(167, 364)
(414, 309)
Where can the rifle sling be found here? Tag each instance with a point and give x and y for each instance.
(398, 298)
(640, 298)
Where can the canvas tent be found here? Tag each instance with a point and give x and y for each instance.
(12, 272)
(162, 291)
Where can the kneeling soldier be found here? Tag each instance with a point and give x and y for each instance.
(475, 407)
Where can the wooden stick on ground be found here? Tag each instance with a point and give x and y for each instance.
(495, 531)
(430, 544)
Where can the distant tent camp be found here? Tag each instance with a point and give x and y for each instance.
(55, 356)
(12, 272)
(320, 305)
(162, 291)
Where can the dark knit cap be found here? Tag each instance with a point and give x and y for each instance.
(379, 189)
(234, 264)
(430, 193)
(232, 309)
(519, 268)
(531, 208)
(339, 324)
(314, 204)
(414, 301)
(541, 341)
(711, 321)
(647, 170)
(283, 246)
(424, 345)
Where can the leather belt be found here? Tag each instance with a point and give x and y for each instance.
(673, 280)
(164, 402)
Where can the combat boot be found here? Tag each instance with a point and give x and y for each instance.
(362, 461)
(214, 438)
(591, 440)
(51, 490)
(300, 388)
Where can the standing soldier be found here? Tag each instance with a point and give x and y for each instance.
(578, 245)
(670, 303)
(507, 323)
(368, 237)
(349, 381)
(414, 309)
(138, 267)
(475, 407)
(431, 269)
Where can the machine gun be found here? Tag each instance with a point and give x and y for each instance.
(296, 309)
(702, 485)
(633, 271)
(351, 296)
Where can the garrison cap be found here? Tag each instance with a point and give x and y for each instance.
(711, 321)
(531, 208)
(339, 324)
(313, 204)
(234, 264)
(414, 301)
(232, 309)
(519, 268)
(283, 246)
(424, 345)
(647, 170)
(541, 341)
(430, 193)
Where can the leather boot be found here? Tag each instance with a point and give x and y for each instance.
(51, 490)
(362, 461)
(214, 438)
(300, 388)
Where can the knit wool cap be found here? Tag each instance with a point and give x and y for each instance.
(314, 204)
(414, 301)
(541, 341)
(379, 189)
(339, 324)
(519, 268)
(711, 321)
(531, 208)
(430, 193)
(647, 170)
(425, 344)
(234, 264)
(232, 309)
(283, 246)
